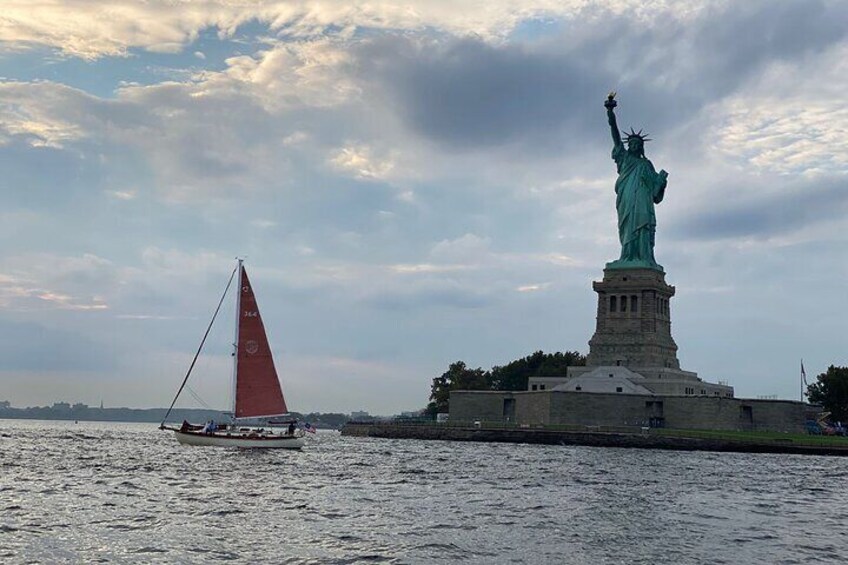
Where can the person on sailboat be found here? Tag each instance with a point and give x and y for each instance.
(291, 428)
(209, 427)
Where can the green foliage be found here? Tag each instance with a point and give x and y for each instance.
(831, 391)
(512, 376)
(329, 420)
(457, 377)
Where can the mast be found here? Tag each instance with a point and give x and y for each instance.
(236, 335)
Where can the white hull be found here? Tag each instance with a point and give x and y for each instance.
(240, 440)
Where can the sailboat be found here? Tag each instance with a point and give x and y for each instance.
(257, 394)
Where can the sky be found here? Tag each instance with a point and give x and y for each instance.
(411, 184)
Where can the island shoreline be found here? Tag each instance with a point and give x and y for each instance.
(638, 438)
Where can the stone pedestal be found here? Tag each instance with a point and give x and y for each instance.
(633, 343)
(633, 321)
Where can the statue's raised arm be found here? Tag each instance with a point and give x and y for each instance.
(610, 104)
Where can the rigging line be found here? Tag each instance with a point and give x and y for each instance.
(196, 355)
(197, 397)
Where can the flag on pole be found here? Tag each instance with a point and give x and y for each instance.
(804, 384)
(307, 426)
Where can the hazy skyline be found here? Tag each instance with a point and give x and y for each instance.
(411, 185)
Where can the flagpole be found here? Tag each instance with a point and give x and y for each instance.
(803, 380)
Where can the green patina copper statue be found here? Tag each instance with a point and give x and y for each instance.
(637, 189)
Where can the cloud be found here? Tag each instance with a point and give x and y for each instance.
(468, 93)
(28, 113)
(416, 268)
(50, 114)
(472, 94)
(431, 293)
(93, 29)
(149, 317)
(533, 287)
(801, 204)
(312, 73)
(342, 383)
(359, 161)
(786, 136)
(730, 45)
(470, 248)
(46, 281)
(90, 29)
(413, 101)
(122, 194)
(29, 346)
(186, 131)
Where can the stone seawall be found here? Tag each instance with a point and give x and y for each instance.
(644, 440)
(572, 408)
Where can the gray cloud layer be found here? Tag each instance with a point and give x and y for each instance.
(803, 203)
(468, 93)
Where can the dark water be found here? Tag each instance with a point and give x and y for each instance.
(127, 493)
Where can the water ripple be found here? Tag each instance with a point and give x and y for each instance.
(127, 493)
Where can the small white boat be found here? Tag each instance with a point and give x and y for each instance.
(257, 394)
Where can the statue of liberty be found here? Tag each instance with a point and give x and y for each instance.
(637, 189)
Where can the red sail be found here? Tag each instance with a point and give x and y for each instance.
(258, 390)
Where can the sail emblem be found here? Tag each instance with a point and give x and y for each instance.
(251, 347)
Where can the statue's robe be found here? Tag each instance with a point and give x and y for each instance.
(637, 189)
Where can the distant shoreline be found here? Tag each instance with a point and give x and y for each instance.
(82, 413)
(147, 415)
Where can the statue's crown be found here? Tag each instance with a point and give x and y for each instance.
(635, 135)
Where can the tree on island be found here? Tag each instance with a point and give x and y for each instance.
(512, 376)
(831, 391)
(457, 377)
